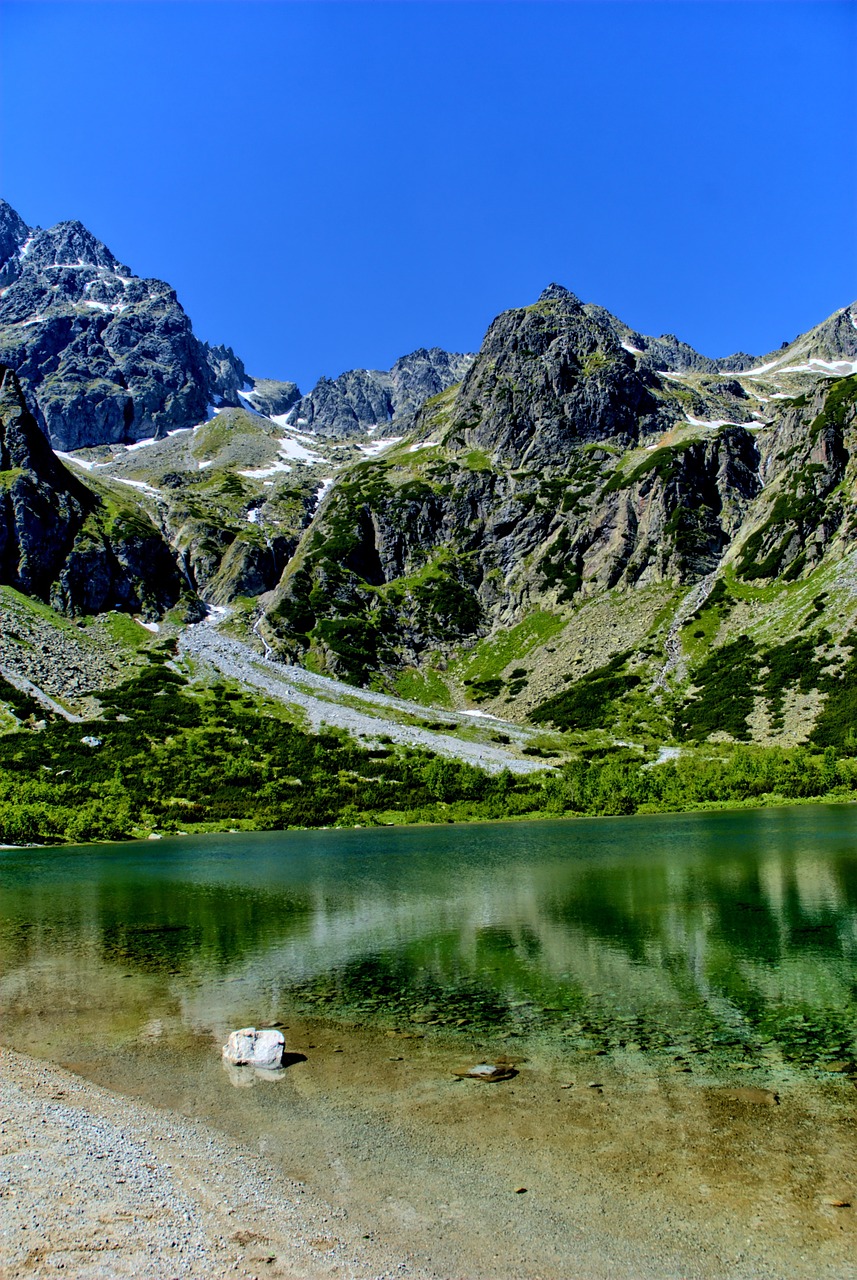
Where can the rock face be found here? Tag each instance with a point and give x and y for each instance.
(42, 506)
(565, 466)
(252, 1048)
(273, 398)
(63, 542)
(102, 356)
(362, 398)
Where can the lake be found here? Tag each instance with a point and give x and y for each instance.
(719, 935)
(690, 963)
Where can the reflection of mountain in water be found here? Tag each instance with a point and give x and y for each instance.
(732, 928)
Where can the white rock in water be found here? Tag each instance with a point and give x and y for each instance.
(249, 1047)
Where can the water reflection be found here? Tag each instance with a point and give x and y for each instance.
(713, 934)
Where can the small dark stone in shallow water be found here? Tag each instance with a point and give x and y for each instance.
(489, 1072)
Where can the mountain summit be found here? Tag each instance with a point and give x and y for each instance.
(102, 356)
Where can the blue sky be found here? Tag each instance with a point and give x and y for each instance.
(331, 185)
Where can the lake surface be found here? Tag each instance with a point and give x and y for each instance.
(708, 941)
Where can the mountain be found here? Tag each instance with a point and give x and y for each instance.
(364, 400)
(580, 501)
(101, 355)
(580, 527)
(62, 542)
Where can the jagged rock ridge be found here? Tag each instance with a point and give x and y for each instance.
(368, 399)
(563, 467)
(102, 355)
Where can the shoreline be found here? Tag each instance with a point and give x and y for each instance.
(369, 1159)
(709, 806)
(96, 1184)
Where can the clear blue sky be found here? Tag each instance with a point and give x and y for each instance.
(331, 185)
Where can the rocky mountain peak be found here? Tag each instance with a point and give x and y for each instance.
(70, 244)
(23, 447)
(13, 234)
(558, 293)
(102, 355)
(360, 399)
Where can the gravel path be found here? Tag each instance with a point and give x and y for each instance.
(323, 701)
(93, 1185)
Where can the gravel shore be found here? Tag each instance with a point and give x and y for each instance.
(94, 1185)
(364, 1162)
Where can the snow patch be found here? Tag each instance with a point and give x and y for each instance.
(140, 444)
(425, 444)
(253, 515)
(378, 446)
(247, 404)
(77, 462)
(817, 365)
(201, 466)
(483, 715)
(138, 484)
(261, 472)
(321, 492)
(635, 351)
(154, 627)
(111, 308)
(722, 422)
(296, 452)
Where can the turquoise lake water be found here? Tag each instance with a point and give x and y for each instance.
(716, 938)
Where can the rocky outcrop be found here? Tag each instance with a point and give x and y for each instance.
(102, 355)
(361, 399)
(272, 398)
(42, 506)
(62, 542)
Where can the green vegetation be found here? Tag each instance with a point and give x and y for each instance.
(589, 703)
(726, 684)
(562, 568)
(839, 402)
(427, 687)
(836, 726)
(664, 462)
(793, 516)
(477, 460)
(175, 757)
(730, 679)
(491, 656)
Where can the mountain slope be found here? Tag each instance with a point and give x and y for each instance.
(598, 531)
(63, 541)
(569, 480)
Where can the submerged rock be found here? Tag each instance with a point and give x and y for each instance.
(488, 1071)
(249, 1047)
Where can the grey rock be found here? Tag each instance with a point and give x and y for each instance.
(349, 405)
(273, 398)
(57, 539)
(102, 355)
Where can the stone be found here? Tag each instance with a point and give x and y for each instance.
(490, 1072)
(249, 1047)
